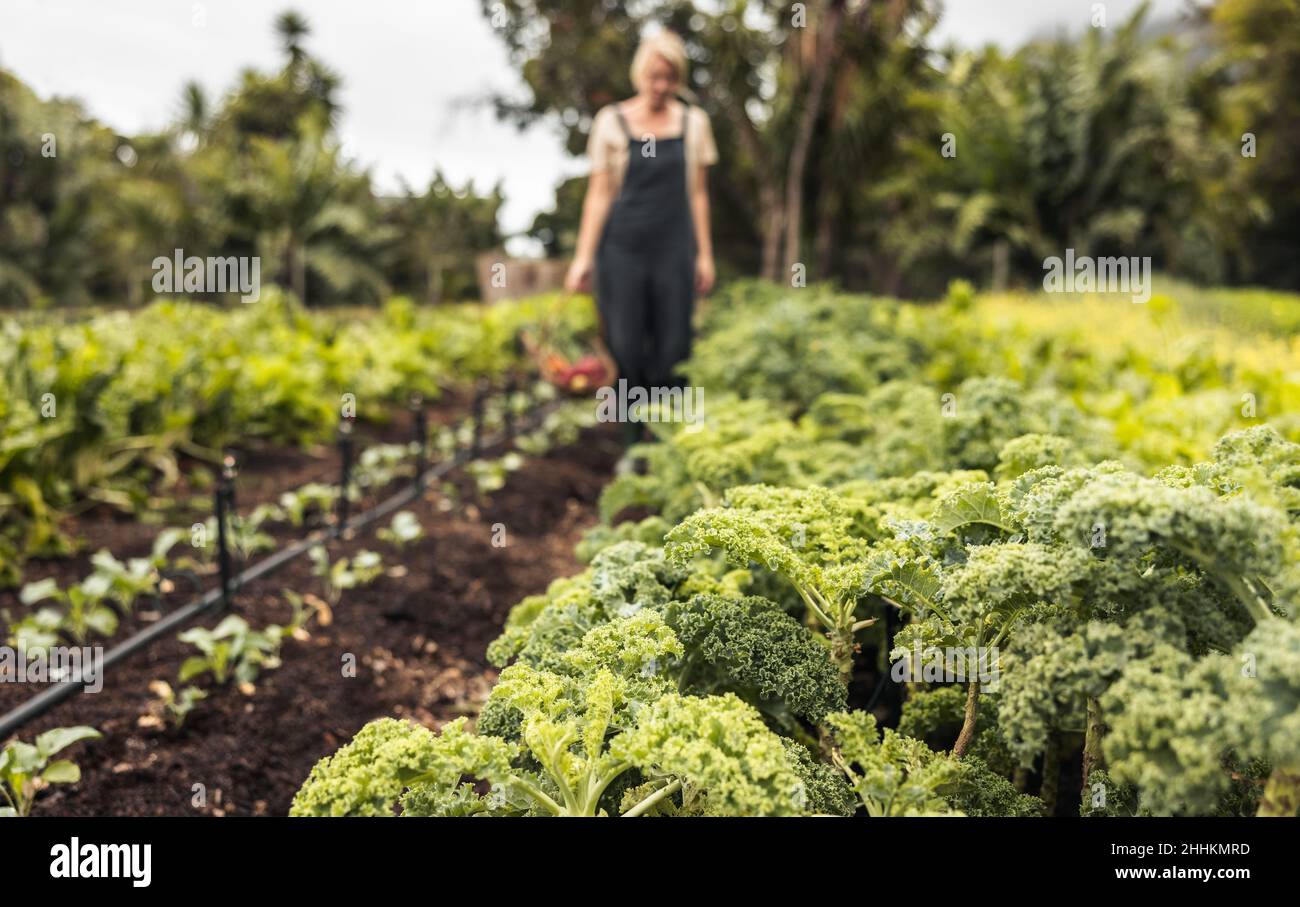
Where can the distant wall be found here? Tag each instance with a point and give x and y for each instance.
(500, 277)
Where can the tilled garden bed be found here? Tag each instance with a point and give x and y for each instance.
(417, 636)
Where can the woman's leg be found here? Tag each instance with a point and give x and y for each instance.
(622, 291)
(672, 284)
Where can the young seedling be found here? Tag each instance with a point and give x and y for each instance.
(232, 649)
(304, 608)
(244, 534)
(314, 497)
(345, 573)
(561, 427)
(83, 607)
(138, 575)
(35, 632)
(383, 464)
(171, 707)
(491, 475)
(403, 530)
(27, 769)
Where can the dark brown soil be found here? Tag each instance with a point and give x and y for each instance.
(417, 635)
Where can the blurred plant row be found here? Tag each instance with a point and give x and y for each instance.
(94, 411)
(1168, 377)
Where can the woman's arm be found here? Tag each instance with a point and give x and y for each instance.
(704, 270)
(595, 208)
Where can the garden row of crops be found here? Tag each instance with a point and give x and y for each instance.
(93, 411)
(116, 598)
(1098, 500)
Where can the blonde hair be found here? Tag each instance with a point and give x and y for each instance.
(664, 44)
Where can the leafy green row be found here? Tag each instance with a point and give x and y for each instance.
(95, 409)
(1140, 611)
(640, 688)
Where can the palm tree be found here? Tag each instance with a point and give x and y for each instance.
(193, 122)
(292, 28)
(310, 208)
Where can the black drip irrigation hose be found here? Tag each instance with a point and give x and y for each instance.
(219, 596)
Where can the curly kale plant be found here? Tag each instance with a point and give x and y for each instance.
(602, 715)
(896, 775)
(750, 647)
(1174, 721)
(744, 645)
(804, 535)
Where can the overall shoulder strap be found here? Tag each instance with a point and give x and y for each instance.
(686, 117)
(622, 121)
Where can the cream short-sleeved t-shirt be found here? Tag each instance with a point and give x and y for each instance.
(607, 146)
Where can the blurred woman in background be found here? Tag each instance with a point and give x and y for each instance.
(644, 234)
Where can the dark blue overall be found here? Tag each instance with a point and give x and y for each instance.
(645, 264)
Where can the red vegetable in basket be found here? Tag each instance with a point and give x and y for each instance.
(587, 372)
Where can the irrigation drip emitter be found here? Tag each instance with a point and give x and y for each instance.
(480, 400)
(345, 473)
(420, 432)
(221, 596)
(223, 506)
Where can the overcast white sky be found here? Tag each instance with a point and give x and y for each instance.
(407, 68)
